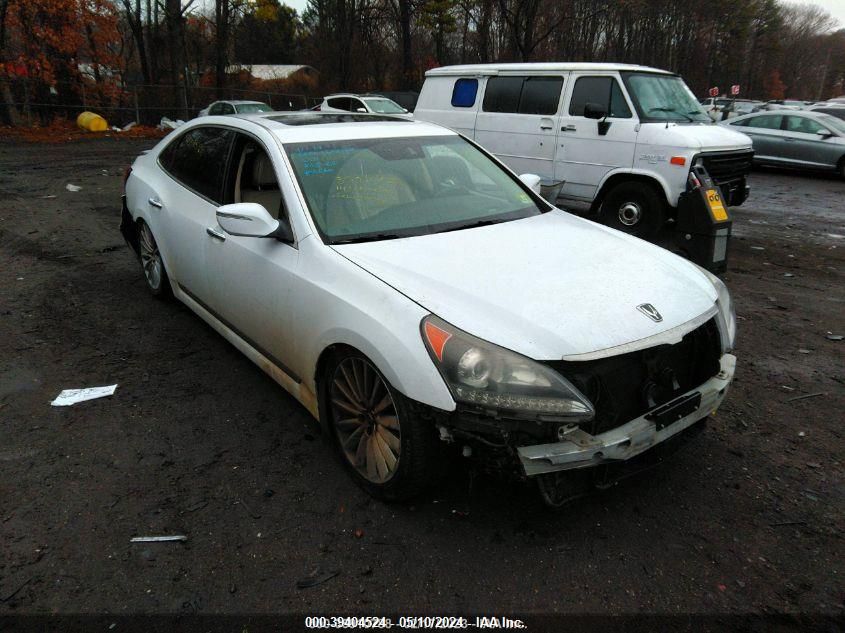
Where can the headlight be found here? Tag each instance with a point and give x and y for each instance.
(727, 315)
(485, 375)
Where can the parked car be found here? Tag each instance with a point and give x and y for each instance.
(784, 104)
(619, 138)
(410, 291)
(234, 107)
(833, 109)
(367, 104)
(805, 139)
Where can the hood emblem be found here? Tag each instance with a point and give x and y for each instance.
(650, 311)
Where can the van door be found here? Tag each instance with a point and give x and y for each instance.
(517, 121)
(584, 157)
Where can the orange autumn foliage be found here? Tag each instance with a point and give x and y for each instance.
(48, 39)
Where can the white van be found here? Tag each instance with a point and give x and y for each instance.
(621, 138)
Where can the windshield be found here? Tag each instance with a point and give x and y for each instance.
(663, 98)
(385, 106)
(249, 108)
(374, 189)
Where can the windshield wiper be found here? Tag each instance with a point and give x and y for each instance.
(672, 110)
(369, 238)
(472, 225)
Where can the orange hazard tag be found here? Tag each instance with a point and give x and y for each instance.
(717, 209)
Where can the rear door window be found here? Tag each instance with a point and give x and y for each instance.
(464, 92)
(199, 161)
(766, 121)
(540, 95)
(502, 94)
(603, 91)
(341, 103)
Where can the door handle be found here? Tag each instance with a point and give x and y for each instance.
(155, 202)
(568, 128)
(217, 235)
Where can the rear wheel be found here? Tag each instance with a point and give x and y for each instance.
(389, 450)
(152, 264)
(635, 208)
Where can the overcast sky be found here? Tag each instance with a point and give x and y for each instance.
(835, 7)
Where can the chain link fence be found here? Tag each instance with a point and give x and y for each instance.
(29, 102)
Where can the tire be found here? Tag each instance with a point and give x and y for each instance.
(635, 208)
(841, 168)
(152, 265)
(378, 434)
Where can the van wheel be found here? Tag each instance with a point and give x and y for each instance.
(380, 436)
(634, 208)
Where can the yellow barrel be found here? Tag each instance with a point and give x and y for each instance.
(92, 122)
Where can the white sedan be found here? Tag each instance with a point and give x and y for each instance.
(412, 292)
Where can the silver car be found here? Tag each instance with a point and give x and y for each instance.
(806, 139)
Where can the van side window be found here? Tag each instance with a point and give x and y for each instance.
(502, 94)
(464, 93)
(603, 91)
(540, 95)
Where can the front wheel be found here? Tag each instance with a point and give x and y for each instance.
(635, 208)
(378, 433)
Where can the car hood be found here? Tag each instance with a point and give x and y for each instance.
(550, 286)
(708, 138)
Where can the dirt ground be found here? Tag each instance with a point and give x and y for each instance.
(748, 518)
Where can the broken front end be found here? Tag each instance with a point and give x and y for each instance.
(622, 411)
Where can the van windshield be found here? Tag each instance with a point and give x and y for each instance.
(663, 98)
(384, 188)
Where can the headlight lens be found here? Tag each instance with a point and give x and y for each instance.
(727, 314)
(485, 375)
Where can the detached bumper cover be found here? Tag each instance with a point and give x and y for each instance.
(583, 450)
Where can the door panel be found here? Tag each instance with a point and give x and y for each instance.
(189, 192)
(250, 278)
(584, 157)
(517, 122)
(805, 146)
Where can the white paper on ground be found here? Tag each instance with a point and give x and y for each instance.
(71, 187)
(72, 396)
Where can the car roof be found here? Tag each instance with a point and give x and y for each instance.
(494, 69)
(310, 126)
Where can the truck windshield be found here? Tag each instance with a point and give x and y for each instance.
(663, 98)
(384, 188)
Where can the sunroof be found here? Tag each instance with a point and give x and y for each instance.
(316, 118)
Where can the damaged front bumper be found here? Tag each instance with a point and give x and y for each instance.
(582, 450)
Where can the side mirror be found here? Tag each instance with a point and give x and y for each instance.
(594, 111)
(364, 110)
(532, 181)
(249, 219)
(825, 134)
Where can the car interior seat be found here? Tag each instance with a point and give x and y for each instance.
(258, 182)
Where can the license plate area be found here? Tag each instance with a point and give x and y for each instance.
(673, 411)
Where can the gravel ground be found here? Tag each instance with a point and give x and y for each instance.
(197, 441)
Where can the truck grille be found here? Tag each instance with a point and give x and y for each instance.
(627, 386)
(728, 170)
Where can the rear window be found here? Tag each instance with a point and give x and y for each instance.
(199, 160)
(464, 93)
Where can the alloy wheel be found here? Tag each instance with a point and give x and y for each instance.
(365, 420)
(150, 257)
